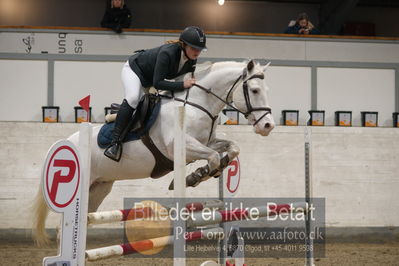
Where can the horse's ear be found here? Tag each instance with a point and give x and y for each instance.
(250, 65)
(265, 67)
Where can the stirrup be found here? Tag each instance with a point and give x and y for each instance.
(114, 151)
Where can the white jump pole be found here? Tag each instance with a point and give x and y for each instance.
(179, 158)
(85, 152)
(228, 188)
(309, 226)
(226, 227)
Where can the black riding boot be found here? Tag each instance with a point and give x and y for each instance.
(114, 150)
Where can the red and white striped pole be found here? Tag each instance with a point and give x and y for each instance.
(149, 244)
(144, 212)
(217, 216)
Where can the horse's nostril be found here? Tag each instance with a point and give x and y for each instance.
(267, 125)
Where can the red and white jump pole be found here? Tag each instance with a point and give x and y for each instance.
(144, 212)
(201, 218)
(253, 213)
(149, 244)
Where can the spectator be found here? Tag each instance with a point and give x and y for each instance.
(301, 26)
(117, 16)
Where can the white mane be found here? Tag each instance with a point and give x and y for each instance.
(203, 69)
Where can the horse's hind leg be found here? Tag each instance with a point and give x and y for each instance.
(97, 193)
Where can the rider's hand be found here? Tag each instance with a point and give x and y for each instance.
(188, 83)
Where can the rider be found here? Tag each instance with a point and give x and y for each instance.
(155, 67)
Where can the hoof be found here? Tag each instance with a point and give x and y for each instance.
(196, 177)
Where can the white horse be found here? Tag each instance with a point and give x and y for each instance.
(218, 84)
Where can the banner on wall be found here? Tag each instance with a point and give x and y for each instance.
(73, 43)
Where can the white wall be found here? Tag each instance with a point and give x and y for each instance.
(290, 89)
(290, 85)
(356, 90)
(250, 48)
(23, 89)
(97, 43)
(352, 89)
(354, 169)
(75, 80)
(352, 51)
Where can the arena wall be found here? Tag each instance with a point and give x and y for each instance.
(354, 169)
(61, 67)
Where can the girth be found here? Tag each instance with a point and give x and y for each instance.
(163, 165)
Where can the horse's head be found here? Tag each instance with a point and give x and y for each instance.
(251, 97)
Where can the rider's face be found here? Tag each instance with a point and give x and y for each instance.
(192, 53)
(117, 3)
(303, 23)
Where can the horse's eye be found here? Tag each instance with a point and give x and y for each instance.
(255, 91)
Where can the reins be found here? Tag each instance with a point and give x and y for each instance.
(209, 91)
(250, 109)
(185, 101)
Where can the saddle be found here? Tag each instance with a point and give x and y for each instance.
(138, 128)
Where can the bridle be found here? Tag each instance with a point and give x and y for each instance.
(248, 104)
(226, 101)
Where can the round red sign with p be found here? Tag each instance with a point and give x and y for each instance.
(233, 175)
(61, 175)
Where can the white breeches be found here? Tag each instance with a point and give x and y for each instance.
(132, 86)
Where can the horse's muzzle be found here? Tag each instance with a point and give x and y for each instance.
(264, 128)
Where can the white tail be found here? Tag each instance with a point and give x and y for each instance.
(39, 215)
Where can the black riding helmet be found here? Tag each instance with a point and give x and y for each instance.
(194, 36)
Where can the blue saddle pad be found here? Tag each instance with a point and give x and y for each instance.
(104, 136)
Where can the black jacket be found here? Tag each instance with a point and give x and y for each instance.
(116, 18)
(155, 66)
(296, 28)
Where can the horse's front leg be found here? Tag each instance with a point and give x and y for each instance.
(221, 146)
(197, 151)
